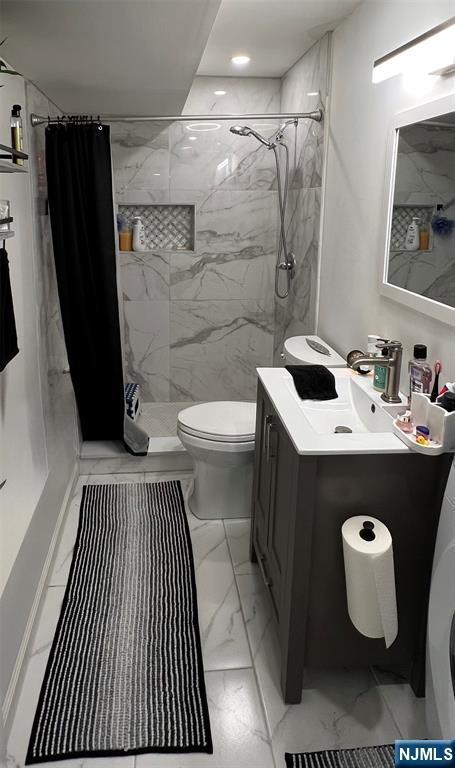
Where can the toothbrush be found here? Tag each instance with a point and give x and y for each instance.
(437, 370)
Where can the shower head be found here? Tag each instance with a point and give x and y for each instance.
(240, 130)
(245, 130)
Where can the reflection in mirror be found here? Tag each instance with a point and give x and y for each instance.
(422, 236)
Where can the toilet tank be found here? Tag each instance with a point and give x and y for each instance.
(303, 350)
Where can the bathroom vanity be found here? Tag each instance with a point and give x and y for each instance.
(308, 480)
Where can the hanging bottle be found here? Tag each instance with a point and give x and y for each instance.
(17, 136)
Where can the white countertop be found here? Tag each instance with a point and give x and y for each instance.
(279, 385)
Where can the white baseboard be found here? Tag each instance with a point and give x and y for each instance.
(19, 667)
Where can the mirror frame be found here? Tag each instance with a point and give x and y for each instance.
(414, 301)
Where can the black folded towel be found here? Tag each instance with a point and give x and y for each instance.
(313, 382)
(8, 337)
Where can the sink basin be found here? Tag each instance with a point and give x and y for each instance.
(357, 421)
(353, 408)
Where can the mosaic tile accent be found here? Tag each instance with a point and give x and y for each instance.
(402, 217)
(169, 227)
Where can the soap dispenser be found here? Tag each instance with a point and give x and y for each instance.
(412, 240)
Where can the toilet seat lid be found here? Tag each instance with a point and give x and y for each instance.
(228, 421)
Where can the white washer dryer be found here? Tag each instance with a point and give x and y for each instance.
(440, 678)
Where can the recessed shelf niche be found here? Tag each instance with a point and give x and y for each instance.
(402, 216)
(168, 227)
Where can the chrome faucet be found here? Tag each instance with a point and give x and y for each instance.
(392, 362)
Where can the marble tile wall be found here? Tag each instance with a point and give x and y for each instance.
(197, 324)
(304, 88)
(425, 175)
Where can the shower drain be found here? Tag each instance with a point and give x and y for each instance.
(342, 430)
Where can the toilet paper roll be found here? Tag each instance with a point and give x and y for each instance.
(370, 577)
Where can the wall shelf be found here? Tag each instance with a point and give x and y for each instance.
(7, 154)
(6, 235)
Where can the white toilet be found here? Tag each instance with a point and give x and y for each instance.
(311, 350)
(219, 436)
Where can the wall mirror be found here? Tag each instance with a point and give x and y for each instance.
(419, 261)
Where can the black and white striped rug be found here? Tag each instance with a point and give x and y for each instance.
(360, 757)
(125, 673)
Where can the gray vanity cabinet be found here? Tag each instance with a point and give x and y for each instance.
(299, 505)
(276, 472)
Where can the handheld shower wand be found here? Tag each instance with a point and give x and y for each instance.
(286, 264)
(244, 130)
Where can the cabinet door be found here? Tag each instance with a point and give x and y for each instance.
(263, 477)
(284, 460)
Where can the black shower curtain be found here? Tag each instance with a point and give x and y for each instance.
(79, 176)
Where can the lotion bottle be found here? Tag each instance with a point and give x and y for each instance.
(138, 234)
(412, 240)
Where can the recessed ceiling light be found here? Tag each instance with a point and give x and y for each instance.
(220, 93)
(313, 93)
(188, 147)
(157, 174)
(241, 60)
(192, 138)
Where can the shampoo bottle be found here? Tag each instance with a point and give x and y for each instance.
(412, 240)
(138, 234)
(419, 371)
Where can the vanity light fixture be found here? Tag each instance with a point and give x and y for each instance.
(432, 53)
(220, 93)
(241, 60)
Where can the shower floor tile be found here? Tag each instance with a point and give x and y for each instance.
(160, 419)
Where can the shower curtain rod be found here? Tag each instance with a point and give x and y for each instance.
(41, 120)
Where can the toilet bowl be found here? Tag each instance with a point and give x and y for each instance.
(219, 437)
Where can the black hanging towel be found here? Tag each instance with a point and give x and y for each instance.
(78, 161)
(8, 335)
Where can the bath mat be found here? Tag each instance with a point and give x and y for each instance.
(125, 673)
(361, 757)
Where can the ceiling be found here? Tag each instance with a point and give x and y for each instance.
(109, 56)
(274, 33)
(140, 56)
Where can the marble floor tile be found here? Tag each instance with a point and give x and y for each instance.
(238, 729)
(407, 710)
(340, 708)
(25, 712)
(238, 538)
(223, 636)
(119, 477)
(62, 562)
